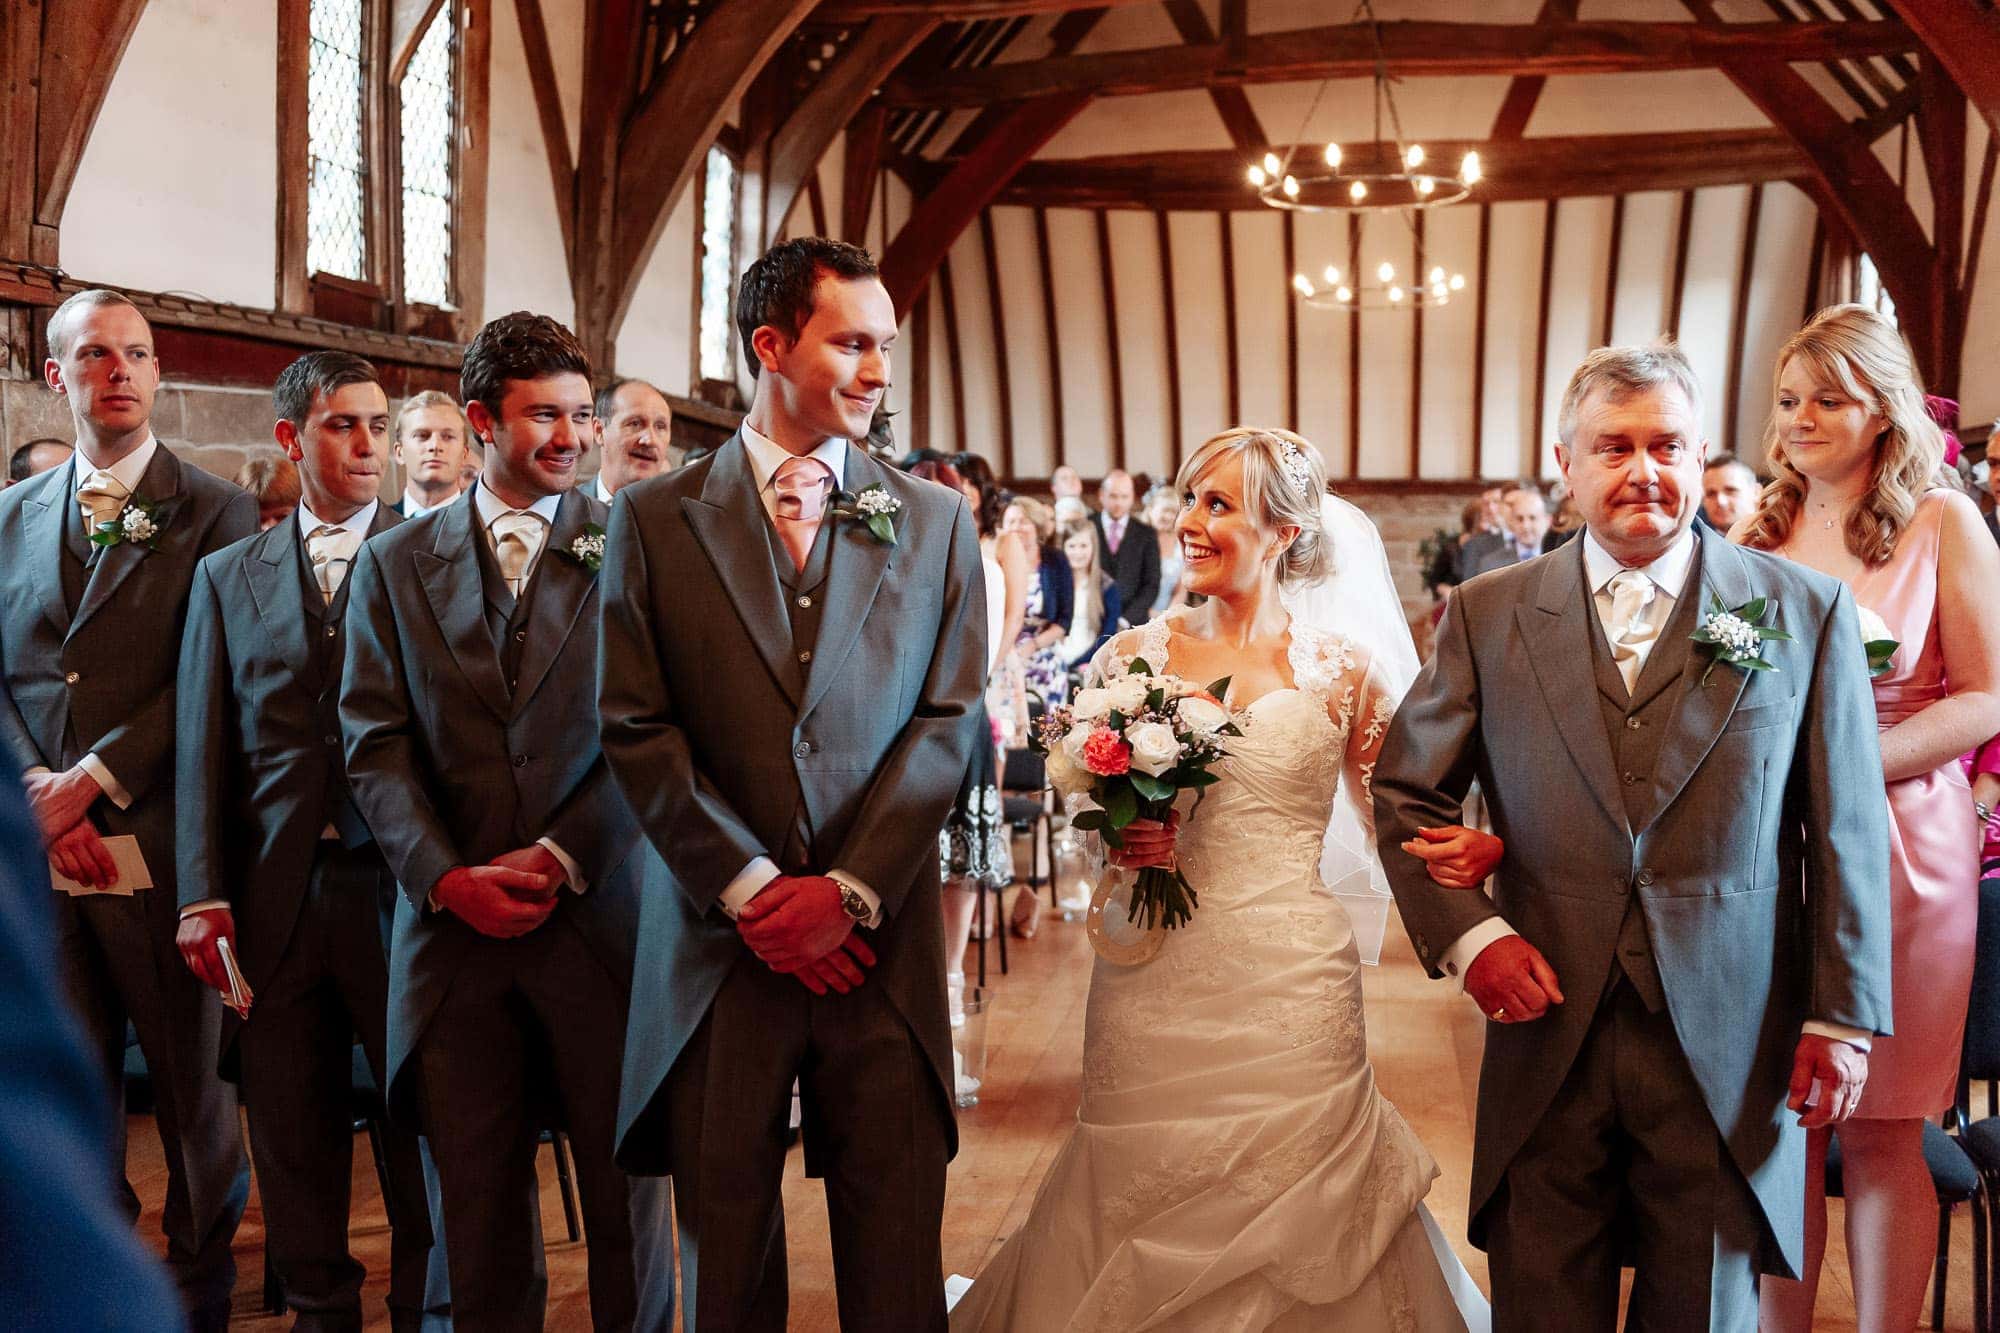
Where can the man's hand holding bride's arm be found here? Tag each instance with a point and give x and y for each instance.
(796, 925)
(1146, 842)
(1457, 857)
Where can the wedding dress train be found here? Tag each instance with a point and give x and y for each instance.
(1233, 1166)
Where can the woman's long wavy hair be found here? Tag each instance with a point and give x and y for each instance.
(1860, 351)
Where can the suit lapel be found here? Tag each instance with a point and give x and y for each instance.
(858, 563)
(562, 586)
(1556, 631)
(272, 573)
(43, 519)
(729, 522)
(1703, 710)
(160, 486)
(449, 572)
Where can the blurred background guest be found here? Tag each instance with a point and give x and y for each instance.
(1525, 515)
(1051, 601)
(1095, 612)
(434, 449)
(1070, 508)
(1131, 548)
(1162, 511)
(635, 425)
(36, 456)
(1568, 520)
(1442, 574)
(1728, 492)
(271, 478)
(1066, 484)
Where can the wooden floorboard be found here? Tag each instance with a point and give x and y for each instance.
(1425, 1041)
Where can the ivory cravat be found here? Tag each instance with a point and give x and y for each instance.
(99, 499)
(1629, 629)
(517, 537)
(331, 550)
(803, 485)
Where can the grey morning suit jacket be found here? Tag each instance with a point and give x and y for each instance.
(260, 763)
(451, 766)
(721, 757)
(1760, 859)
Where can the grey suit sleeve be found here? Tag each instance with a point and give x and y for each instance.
(21, 750)
(594, 825)
(1427, 764)
(696, 832)
(1846, 832)
(917, 782)
(201, 745)
(139, 750)
(378, 728)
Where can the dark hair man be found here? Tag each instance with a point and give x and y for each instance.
(102, 552)
(471, 733)
(36, 457)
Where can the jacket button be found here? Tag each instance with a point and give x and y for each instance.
(520, 636)
(804, 602)
(1631, 779)
(1645, 879)
(332, 630)
(806, 656)
(72, 678)
(331, 740)
(1633, 724)
(802, 749)
(520, 761)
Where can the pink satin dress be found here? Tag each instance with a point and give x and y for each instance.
(1933, 845)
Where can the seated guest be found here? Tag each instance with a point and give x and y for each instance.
(34, 457)
(1066, 484)
(1096, 614)
(1163, 512)
(1134, 563)
(1050, 605)
(275, 858)
(433, 449)
(274, 483)
(635, 424)
(1728, 492)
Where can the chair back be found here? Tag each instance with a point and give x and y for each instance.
(1982, 1020)
(1025, 771)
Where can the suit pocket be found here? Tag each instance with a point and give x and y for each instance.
(1756, 717)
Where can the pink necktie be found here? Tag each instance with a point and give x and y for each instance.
(802, 485)
(1115, 535)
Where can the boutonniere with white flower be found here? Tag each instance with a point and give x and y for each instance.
(588, 549)
(139, 523)
(874, 507)
(1737, 635)
(1875, 637)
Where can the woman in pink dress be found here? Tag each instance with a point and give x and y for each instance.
(1858, 496)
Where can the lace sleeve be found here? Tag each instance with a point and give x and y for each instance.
(1373, 708)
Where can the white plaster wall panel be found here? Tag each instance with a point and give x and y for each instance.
(832, 177)
(1576, 305)
(190, 102)
(1142, 337)
(1454, 108)
(1638, 11)
(1513, 279)
(1695, 99)
(1645, 266)
(564, 20)
(1082, 339)
(978, 358)
(1324, 337)
(656, 341)
(1451, 238)
(524, 245)
(1263, 356)
(1979, 383)
(1387, 344)
(1823, 83)
(906, 375)
(1148, 123)
(1715, 251)
(1027, 350)
(1776, 304)
(935, 382)
(1204, 365)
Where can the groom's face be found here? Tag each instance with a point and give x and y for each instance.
(538, 435)
(830, 379)
(1634, 469)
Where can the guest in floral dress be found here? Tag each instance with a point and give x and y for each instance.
(1051, 602)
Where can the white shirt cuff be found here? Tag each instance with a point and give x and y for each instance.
(1854, 1037)
(749, 882)
(868, 895)
(1471, 944)
(205, 905)
(577, 883)
(113, 789)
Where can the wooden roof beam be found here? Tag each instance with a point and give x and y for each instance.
(1410, 48)
(1966, 38)
(849, 11)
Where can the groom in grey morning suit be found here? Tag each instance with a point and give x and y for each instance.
(787, 701)
(1695, 861)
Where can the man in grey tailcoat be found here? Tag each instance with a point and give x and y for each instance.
(89, 636)
(788, 700)
(1685, 952)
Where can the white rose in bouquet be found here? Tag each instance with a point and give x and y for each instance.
(1090, 705)
(1200, 714)
(1128, 693)
(1072, 744)
(1067, 777)
(1154, 748)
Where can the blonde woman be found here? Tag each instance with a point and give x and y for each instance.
(1162, 511)
(1857, 495)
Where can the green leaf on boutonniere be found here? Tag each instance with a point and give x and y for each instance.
(873, 507)
(588, 549)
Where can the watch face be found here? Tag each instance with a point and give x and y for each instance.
(854, 904)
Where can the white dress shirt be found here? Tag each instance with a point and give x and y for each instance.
(414, 506)
(766, 456)
(1669, 576)
(599, 489)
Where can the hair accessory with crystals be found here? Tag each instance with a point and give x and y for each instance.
(1293, 460)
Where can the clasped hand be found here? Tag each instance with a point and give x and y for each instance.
(507, 897)
(60, 801)
(796, 925)
(1147, 842)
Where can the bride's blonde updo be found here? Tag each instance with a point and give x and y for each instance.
(1283, 480)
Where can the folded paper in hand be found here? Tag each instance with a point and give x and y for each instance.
(131, 865)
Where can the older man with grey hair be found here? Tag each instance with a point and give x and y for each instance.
(1684, 952)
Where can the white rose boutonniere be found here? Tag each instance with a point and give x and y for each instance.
(1875, 637)
(139, 523)
(874, 508)
(1737, 636)
(588, 549)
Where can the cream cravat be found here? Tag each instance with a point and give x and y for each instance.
(99, 498)
(1628, 627)
(331, 551)
(517, 536)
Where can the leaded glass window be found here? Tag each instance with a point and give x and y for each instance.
(336, 233)
(430, 123)
(718, 265)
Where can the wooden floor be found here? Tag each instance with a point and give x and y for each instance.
(1425, 1041)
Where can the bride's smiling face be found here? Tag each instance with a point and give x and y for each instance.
(1228, 551)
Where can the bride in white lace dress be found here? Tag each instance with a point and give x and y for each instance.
(1233, 1166)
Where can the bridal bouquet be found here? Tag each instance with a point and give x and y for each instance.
(1125, 750)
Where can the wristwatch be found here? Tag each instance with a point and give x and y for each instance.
(852, 903)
